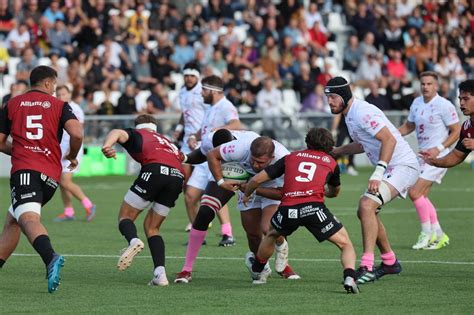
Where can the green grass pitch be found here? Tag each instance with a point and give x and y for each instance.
(431, 282)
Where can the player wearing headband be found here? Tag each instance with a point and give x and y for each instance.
(396, 170)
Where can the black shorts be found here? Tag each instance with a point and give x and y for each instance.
(159, 183)
(314, 216)
(31, 186)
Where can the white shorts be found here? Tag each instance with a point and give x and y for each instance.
(200, 176)
(431, 173)
(258, 202)
(65, 163)
(401, 177)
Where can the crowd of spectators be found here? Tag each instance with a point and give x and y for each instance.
(259, 48)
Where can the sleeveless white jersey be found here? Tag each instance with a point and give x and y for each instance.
(193, 109)
(431, 120)
(79, 113)
(218, 115)
(239, 151)
(243, 135)
(364, 121)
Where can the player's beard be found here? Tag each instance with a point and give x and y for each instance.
(208, 99)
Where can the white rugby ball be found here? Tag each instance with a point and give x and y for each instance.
(234, 171)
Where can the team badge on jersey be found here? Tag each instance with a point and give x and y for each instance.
(293, 213)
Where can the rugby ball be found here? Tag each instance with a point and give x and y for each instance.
(234, 171)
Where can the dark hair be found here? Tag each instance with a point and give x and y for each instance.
(429, 74)
(192, 65)
(467, 86)
(262, 146)
(221, 136)
(40, 73)
(145, 119)
(319, 139)
(213, 80)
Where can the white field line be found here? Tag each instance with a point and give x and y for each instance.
(242, 259)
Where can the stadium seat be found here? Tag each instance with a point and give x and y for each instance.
(98, 97)
(332, 47)
(334, 69)
(152, 44)
(290, 105)
(178, 79)
(44, 61)
(141, 98)
(12, 64)
(8, 80)
(336, 23)
(114, 97)
(241, 32)
(62, 62)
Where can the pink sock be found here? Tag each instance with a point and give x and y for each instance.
(194, 245)
(86, 203)
(433, 214)
(423, 209)
(226, 229)
(367, 260)
(69, 211)
(388, 258)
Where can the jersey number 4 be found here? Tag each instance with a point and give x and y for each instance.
(308, 169)
(34, 122)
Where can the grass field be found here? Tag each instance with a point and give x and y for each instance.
(431, 282)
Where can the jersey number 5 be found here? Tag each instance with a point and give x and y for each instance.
(308, 169)
(34, 122)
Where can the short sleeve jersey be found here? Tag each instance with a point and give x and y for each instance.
(467, 131)
(79, 113)
(432, 120)
(218, 115)
(243, 135)
(306, 174)
(364, 121)
(148, 147)
(193, 109)
(35, 121)
(239, 151)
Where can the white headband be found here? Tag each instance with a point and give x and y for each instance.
(190, 71)
(147, 126)
(212, 87)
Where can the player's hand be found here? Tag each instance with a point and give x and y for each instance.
(468, 143)
(109, 152)
(373, 186)
(335, 152)
(242, 187)
(192, 142)
(427, 157)
(434, 152)
(230, 185)
(73, 162)
(246, 200)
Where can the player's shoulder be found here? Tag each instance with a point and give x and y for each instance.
(444, 102)
(280, 150)
(361, 108)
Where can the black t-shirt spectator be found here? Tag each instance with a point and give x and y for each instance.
(126, 105)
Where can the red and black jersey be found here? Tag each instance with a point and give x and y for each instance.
(35, 121)
(147, 147)
(467, 131)
(306, 174)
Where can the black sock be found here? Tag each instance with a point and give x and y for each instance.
(258, 265)
(2, 262)
(42, 245)
(204, 216)
(157, 250)
(128, 229)
(349, 273)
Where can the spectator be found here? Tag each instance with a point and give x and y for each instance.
(7, 23)
(60, 39)
(205, 45)
(27, 63)
(100, 12)
(369, 69)
(318, 39)
(126, 103)
(162, 68)
(32, 10)
(142, 72)
(157, 102)
(218, 64)
(16, 89)
(183, 53)
(364, 21)
(393, 39)
(396, 67)
(60, 68)
(353, 53)
(106, 107)
(398, 101)
(90, 36)
(53, 12)
(316, 102)
(17, 40)
(304, 84)
(374, 97)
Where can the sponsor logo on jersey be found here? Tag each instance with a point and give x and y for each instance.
(164, 170)
(327, 227)
(28, 195)
(326, 159)
(37, 149)
(279, 217)
(293, 213)
(139, 189)
(44, 104)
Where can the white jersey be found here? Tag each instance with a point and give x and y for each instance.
(364, 121)
(79, 113)
(239, 151)
(243, 135)
(431, 120)
(193, 109)
(218, 115)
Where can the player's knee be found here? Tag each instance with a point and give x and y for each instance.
(191, 198)
(414, 194)
(366, 208)
(204, 216)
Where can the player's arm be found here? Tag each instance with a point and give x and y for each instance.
(388, 143)
(114, 136)
(270, 172)
(407, 128)
(76, 133)
(195, 157)
(333, 183)
(453, 136)
(214, 159)
(452, 159)
(233, 124)
(5, 146)
(348, 149)
(178, 131)
(270, 193)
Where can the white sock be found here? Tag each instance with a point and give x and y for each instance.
(436, 228)
(426, 227)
